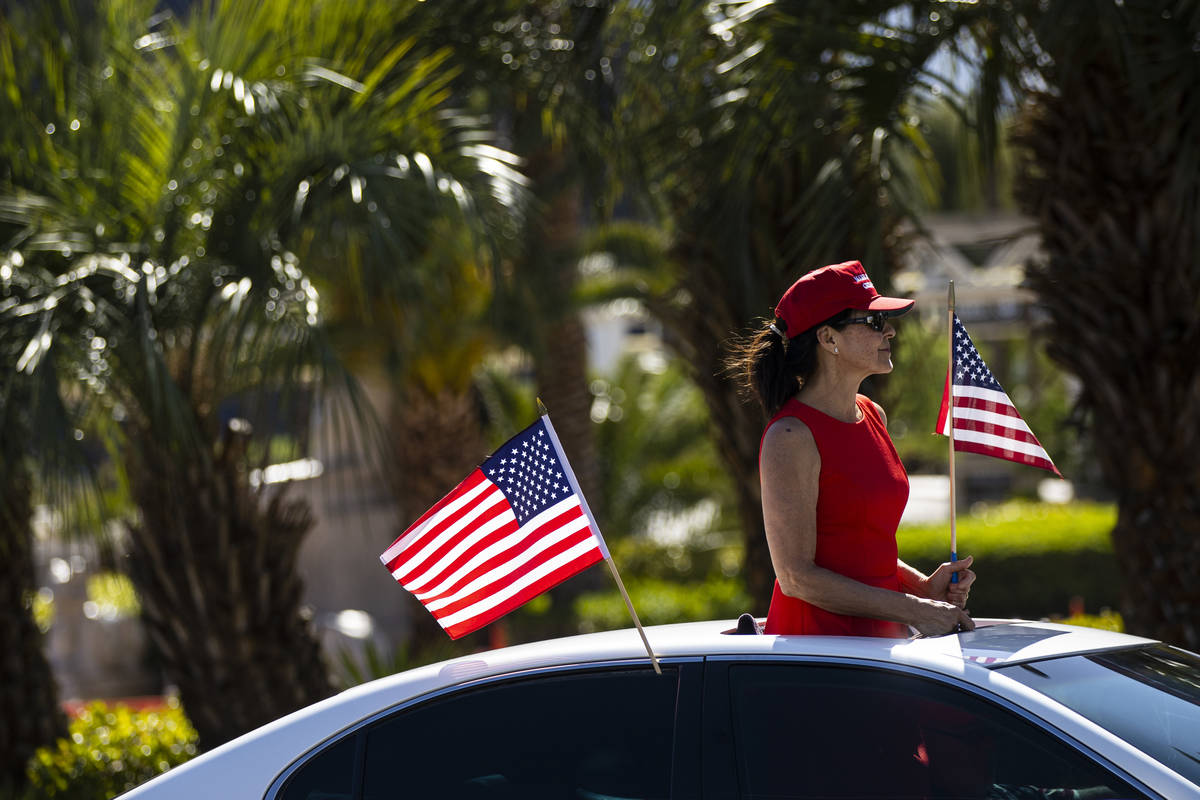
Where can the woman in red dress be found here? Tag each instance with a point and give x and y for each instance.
(833, 487)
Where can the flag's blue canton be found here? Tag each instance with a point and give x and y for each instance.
(969, 369)
(527, 470)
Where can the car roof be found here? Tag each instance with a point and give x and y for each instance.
(970, 656)
(993, 643)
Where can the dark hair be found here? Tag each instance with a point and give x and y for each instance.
(769, 367)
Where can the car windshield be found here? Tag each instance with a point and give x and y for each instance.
(1148, 696)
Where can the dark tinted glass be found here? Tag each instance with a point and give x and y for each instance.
(583, 736)
(841, 732)
(328, 776)
(1148, 696)
(1167, 669)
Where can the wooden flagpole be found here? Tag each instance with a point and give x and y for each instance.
(562, 457)
(950, 438)
(637, 623)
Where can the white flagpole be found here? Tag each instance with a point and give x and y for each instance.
(950, 438)
(570, 473)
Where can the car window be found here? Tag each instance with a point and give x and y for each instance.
(807, 731)
(1149, 696)
(584, 736)
(329, 776)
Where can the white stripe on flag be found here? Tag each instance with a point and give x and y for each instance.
(401, 544)
(501, 572)
(1000, 442)
(991, 395)
(437, 538)
(514, 538)
(1000, 420)
(414, 579)
(531, 577)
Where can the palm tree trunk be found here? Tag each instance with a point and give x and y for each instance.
(562, 382)
(1117, 208)
(561, 350)
(437, 439)
(697, 335)
(221, 597)
(30, 716)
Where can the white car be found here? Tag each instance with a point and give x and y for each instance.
(1010, 710)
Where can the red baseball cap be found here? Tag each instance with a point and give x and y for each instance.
(824, 292)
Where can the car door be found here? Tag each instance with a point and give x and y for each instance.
(843, 729)
(603, 732)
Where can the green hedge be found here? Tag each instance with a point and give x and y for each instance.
(681, 582)
(1031, 559)
(660, 601)
(111, 750)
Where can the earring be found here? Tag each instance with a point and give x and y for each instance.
(835, 349)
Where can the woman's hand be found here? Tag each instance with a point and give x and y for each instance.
(934, 618)
(939, 587)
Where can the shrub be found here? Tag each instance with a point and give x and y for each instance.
(111, 750)
(1106, 620)
(680, 582)
(659, 601)
(1031, 559)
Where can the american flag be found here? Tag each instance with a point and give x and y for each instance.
(515, 527)
(985, 419)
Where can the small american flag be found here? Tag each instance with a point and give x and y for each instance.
(985, 419)
(515, 527)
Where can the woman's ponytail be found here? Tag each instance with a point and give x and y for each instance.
(758, 364)
(770, 367)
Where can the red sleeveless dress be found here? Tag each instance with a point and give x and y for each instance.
(863, 489)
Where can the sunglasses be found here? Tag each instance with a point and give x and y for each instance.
(876, 320)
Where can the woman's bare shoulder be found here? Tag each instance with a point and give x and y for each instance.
(788, 436)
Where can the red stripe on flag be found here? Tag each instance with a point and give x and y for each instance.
(944, 411)
(528, 539)
(463, 487)
(419, 574)
(1010, 455)
(418, 538)
(533, 590)
(979, 404)
(422, 583)
(979, 426)
(515, 575)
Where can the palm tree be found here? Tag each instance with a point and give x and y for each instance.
(526, 65)
(551, 96)
(30, 716)
(205, 162)
(1111, 177)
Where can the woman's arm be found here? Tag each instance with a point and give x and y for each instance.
(790, 467)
